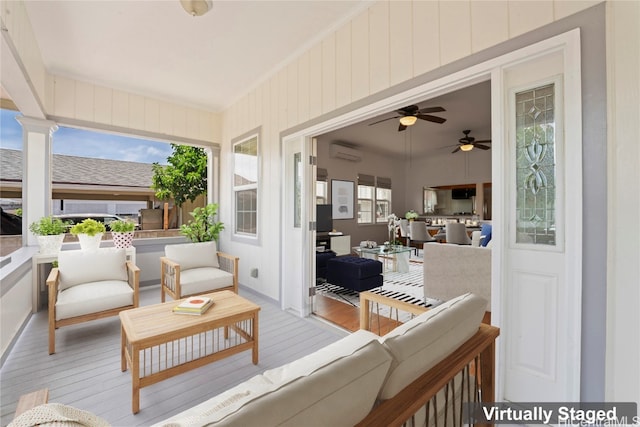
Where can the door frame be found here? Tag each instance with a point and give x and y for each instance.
(492, 69)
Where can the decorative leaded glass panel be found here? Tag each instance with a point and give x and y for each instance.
(536, 166)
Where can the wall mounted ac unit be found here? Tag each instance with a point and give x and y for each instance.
(339, 151)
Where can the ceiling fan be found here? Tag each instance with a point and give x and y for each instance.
(467, 143)
(409, 115)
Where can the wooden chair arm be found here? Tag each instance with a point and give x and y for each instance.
(229, 263)
(169, 263)
(53, 279)
(133, 278)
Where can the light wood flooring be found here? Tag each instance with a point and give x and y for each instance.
(85, 370)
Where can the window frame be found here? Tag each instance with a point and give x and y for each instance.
(243, 237)
(379, 183)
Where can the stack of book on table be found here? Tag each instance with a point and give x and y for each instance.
(193, 305)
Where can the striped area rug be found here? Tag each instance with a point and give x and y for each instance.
(405, 287)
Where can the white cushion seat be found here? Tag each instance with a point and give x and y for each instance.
(89, 285)
(203, 279)
(93, 297)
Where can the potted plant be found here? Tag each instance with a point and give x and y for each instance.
(411, 215)
(89, 233)
(50, 232)
(203, 227)
(122, 231)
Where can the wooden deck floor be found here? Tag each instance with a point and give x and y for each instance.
(85, 371)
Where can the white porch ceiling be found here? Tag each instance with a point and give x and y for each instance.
(154, 48)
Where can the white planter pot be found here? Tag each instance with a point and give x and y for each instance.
(50, 245)
(89, 243)
(122, 240)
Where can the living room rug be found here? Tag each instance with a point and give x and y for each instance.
(405, 287)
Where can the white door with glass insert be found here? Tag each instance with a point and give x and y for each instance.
(540, 179)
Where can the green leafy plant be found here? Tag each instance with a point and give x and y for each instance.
(184, 177)
(48, 226)
(122, 226)
(411, 214)
(89, 226)
(203, 227)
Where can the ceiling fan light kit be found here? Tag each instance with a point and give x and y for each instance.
(466, 147)
(408, 120)
(410, 114)
(196, 7)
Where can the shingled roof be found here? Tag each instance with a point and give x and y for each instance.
(82, 170)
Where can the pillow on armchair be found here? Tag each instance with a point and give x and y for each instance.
(193, 255)
(485, 232)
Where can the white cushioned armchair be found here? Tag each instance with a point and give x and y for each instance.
(89, 285)
(196, 268)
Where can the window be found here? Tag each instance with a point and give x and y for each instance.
(373, 192)
(245, 186)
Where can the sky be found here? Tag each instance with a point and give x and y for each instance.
(84, 143)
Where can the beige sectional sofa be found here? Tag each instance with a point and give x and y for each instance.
(340, 384)
(451, 270)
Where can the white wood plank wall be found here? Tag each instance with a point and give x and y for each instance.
(387, 44)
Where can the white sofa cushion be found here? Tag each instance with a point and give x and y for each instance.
(336, 386)
(193, 255)
(199, 280)
(419, 344)
(78, 267)
(93, 297)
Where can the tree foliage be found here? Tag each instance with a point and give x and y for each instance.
(184, 177)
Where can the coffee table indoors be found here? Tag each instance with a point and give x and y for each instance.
(158, 344)
(396, 255)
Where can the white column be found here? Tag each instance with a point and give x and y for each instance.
(36, 172)
(213, 163)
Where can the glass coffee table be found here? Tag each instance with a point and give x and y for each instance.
(394, 257)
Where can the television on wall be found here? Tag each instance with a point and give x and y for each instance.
(324, 219)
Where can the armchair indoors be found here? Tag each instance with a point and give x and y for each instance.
(196, 268)
(89, 285)
(419, 234)
(457, 234)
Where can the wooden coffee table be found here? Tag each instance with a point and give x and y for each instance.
(158, 344)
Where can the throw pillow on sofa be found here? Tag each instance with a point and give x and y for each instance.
(485, 231)
(427, 339)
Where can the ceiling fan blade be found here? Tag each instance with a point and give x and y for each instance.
(384, 120)
(431, 110)
(401, 127)
(430, 118)
(456, 150)
(482, 147)
(484, 141)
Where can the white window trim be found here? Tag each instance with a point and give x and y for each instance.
(241, 237)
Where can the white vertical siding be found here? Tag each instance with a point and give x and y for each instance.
(360, 57)
(387, 44)
(525, 16)
(426, 36)
(401, 43)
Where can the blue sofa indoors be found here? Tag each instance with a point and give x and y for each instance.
(358, 274)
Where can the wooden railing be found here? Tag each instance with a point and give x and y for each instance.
(467, 375)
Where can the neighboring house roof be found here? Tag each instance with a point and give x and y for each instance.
(72, 172)
(82, 171)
